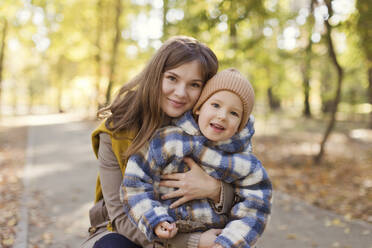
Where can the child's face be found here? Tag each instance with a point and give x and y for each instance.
(220, 116)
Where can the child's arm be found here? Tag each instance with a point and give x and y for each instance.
(249, 216)
(138, 196)
(166, 230)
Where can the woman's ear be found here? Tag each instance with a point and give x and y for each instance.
(197, 112)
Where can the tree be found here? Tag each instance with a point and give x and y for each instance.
(114, 53)
(307, 64)
(2, 54)
(97, 55)
(165, 22)
(364, 29)
(340, 75)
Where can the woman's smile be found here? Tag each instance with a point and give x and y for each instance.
(176, 103)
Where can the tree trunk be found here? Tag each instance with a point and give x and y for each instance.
(165, 22)
(274, 102)
(59, 81)
(2, 54)
(307, 66)
(114, 52)
(232, 26)
(364, 30)
(340, 74)
(370, 93)
(306, 82)
(97, 57)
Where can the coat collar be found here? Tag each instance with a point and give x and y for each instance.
(237, 143)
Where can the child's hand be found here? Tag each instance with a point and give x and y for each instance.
(165, 230)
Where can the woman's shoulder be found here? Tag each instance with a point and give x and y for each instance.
(102, 128)
(118, 140)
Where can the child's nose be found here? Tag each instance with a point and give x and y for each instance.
(222, 114)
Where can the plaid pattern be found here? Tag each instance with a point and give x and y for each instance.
(231, 161)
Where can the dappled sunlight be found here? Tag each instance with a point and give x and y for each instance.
(39, 172)
(341, 183)
(39, 120)
(71, 222)
(361, 134)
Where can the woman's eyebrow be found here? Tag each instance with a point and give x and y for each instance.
(177, 76)
(173, 73)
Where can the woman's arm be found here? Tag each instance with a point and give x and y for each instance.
(111, 179)
(197, 184)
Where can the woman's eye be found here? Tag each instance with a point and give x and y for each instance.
(171, 78)
(196, 85)
(216, 105)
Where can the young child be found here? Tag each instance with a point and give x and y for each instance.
(218, 138)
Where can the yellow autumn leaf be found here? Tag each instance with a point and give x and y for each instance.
(47, 237)
(291, 236)
(12, 222)
(337, 222)
(8, 241)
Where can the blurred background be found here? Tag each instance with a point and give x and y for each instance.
(310, 62)
(59, 56)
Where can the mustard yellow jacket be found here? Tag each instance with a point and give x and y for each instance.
(119, 146)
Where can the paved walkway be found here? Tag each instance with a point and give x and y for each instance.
(60, 174)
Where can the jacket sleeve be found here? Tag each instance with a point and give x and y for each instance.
(248, 217)
(111, 179)
(138, 194)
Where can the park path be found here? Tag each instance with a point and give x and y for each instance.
(60, 176)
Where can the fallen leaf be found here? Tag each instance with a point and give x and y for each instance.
(48, 237)
(291, 236)
(8, 242)
(336, 244)
(12, 222)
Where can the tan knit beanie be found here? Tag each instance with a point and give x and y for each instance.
(231, 80)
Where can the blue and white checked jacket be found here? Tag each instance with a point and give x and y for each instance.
(231, 161)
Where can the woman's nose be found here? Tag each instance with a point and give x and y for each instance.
(180, 90)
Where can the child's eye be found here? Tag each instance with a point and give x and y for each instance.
(216, 105)
(234, 113)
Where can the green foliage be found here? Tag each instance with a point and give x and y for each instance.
(71, 40)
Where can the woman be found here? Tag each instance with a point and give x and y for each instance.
(167, 87)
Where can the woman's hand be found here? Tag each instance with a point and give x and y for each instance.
(208, 237)
(194, 184)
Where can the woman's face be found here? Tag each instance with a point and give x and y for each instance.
(181, 88)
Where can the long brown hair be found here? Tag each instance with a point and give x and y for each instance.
(137, 107)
